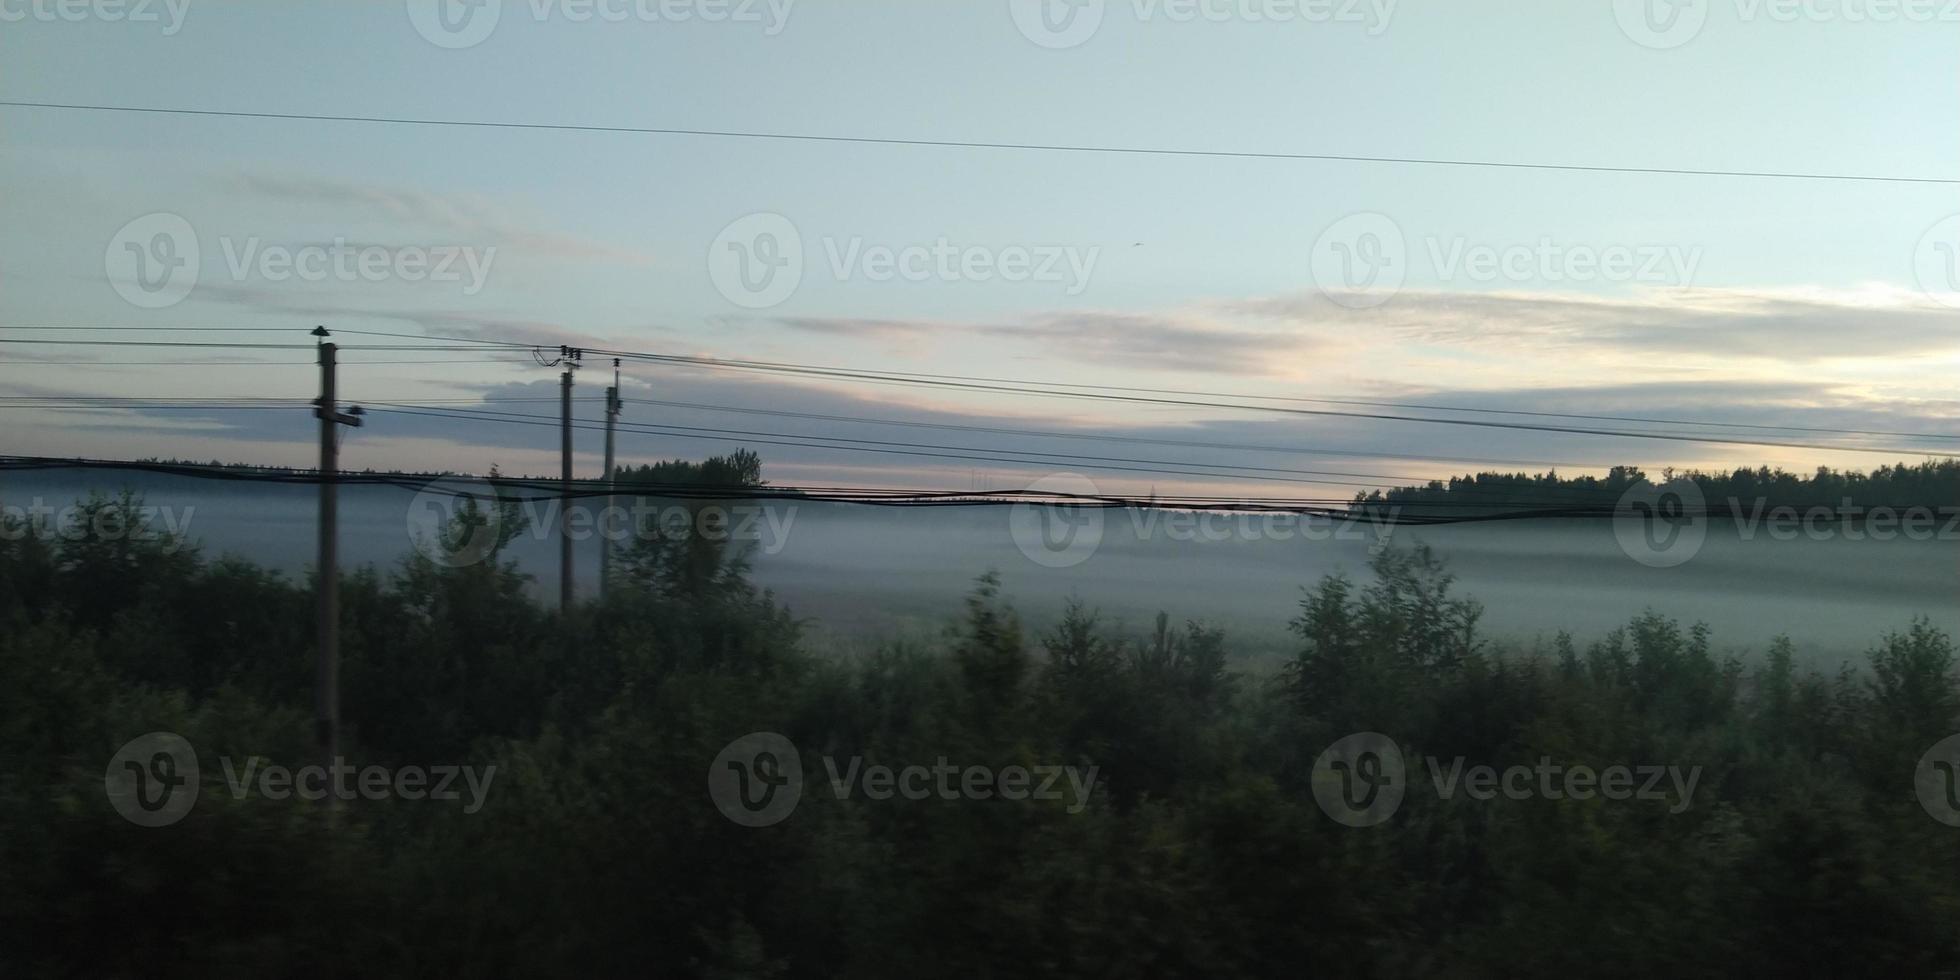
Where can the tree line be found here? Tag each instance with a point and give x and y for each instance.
(1203, 852)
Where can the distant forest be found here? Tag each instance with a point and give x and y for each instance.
(1932, 483)
(742, 468)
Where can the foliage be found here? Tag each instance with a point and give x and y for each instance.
(1929, 484)
(1202, 850)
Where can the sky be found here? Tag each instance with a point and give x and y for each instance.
(1783, 293)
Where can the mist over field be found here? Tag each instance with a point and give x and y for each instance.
(865, 575)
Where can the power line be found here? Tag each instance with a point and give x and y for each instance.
(161, 398)
(306, 364)
(112, 403)
(1419, 406)
(158, 329)
(1132, 394)
(141, 400)
(450, 347)
(1097, 437)
(1042, 390)
(446, 484)
(446, 405)
(456, 485)
(927, 450)
(160, 343)
(174, 406)
(1031, 389)
(981, 144)
(772, 439)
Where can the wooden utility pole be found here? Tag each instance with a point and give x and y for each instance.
(570, 356)
(565, 496)
(612, 500)
(326, 682)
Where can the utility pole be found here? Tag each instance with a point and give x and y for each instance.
(612, 501)
(326, 683)
(570, 358)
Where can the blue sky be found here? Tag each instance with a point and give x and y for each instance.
(1802, 302)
